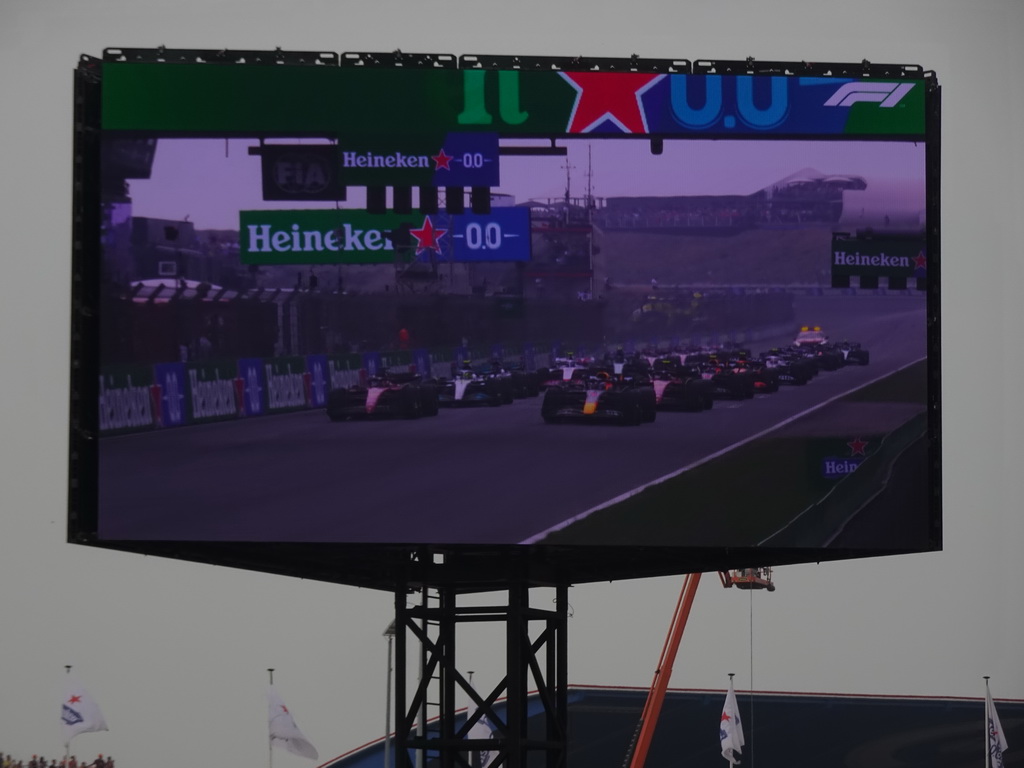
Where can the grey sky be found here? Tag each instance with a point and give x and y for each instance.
(176, 653)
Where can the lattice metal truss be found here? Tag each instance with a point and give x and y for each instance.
(535, 659)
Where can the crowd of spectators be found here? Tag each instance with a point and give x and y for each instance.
(677, 217)
(38, 761)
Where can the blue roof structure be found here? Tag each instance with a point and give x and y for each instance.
(782, 730)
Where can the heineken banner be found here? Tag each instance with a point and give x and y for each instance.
(375, 102)
(344, 236)
(457, 159)
(501, 235)
(881, 256)
(127, 397)
(289, 384)
(212, 390)
(343, 370)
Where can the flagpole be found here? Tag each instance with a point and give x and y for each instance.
(389, 633)
(988, 736)
(732, 674)
(270, 741)
(67, 744)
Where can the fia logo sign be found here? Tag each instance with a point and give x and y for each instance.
(301, 174)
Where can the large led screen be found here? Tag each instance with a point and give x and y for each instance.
(541, 310)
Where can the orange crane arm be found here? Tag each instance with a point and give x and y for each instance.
(663, 673)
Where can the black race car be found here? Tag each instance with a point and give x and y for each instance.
(733, 382)
(524, 383)
(600, 396)
(853, 353)
(476, 386)
(789, 367)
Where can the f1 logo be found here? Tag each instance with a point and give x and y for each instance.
(885, 94)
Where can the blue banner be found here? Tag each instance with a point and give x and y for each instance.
(529, 357)
(468, 160)
(501, 235)
(744, 104)
(421, 359)
(316, 365)
(253, 386)
(372, 363)
(172, 391)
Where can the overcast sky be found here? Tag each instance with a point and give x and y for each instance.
(176, 653)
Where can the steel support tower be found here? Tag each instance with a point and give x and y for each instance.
(426, 698)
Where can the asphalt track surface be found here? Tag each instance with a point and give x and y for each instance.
(475, 475)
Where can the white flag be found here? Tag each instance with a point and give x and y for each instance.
(79, 712)
(482, 729)
(996, 739)
(284, 733)
(731, 730)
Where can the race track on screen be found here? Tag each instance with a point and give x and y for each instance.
(481, 475)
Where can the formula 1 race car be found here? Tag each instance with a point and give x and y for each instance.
(813, 343)
(469, 386)
(680, 387)
(563, 369)
(766, 379)
(396, 395)
(789, 367)
(853, 353)
(525, 383)
(734, 382)
(600, 396)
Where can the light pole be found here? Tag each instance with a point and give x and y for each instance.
(389, 633)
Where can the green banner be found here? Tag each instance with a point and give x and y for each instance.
(327, 236)
(343, 370)
(212, 390)
(357, 104)
(327, 100)
(288, 383)
(126, 398)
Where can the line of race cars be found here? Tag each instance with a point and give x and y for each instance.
(620, 388)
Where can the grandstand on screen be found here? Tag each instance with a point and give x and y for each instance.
(804, 198)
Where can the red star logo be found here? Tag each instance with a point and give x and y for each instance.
(74, 699)
(920, 262)
(427, 236)
(725, 717)
(857, 447)
(614, 96)
(442, 160)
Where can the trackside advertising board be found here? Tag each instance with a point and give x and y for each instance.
(343, 236)
(473, 314)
